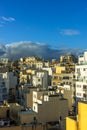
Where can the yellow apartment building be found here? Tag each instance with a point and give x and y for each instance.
(56, 77)
(81, 122)
(71, 124)
(59, 69)
(25, 75)
(82, 116)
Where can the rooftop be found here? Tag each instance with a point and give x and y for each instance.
(27, 111)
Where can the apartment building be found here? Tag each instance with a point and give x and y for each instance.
(69, 62)
(81, 78)
(40, 79)
(68, 59)
(64, 79)
(66, 92)
(69, 86)
(13, 116)
(4, 61)
(80, 121)
(53, 62)
(29, 97)
(25, 76)
(3, 89)
(56, 77)
(10, 80)
(30, 62)
(41, 64)
(48, 105)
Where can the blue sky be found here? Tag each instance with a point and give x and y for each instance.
(58, 23)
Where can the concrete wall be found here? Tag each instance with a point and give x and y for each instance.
(29, 97)
(3, 111)
(27, 118)
(11, 128)
(52, 110)
(68, 95)
(31, 127)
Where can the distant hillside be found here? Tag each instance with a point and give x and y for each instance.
(25, 49)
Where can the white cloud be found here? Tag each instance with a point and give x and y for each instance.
(9, 19)
(69, 32)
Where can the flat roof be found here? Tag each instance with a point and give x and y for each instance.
(61, 98)
(27, 112)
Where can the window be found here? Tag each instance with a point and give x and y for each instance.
(60, 78)
(84, 69)
(81, 62)
(4, 90)
(4, 96)
(78, 70)
(78, 86)
(84, 77)
(35, 96)
(35, 107)
(54, 83)
(55, 77)
(73, 76)
(66, 77)
(84, 86)
(84, 95)
(38, 80)
(3, 83)
(78, 94)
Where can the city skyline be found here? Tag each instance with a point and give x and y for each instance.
(58, 24)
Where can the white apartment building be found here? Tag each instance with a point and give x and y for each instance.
(40, 79)
(81, 78)
(49, 69)
(39, 65)
(50, 72)
(39, 97)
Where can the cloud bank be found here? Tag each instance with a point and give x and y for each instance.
(25, 48)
